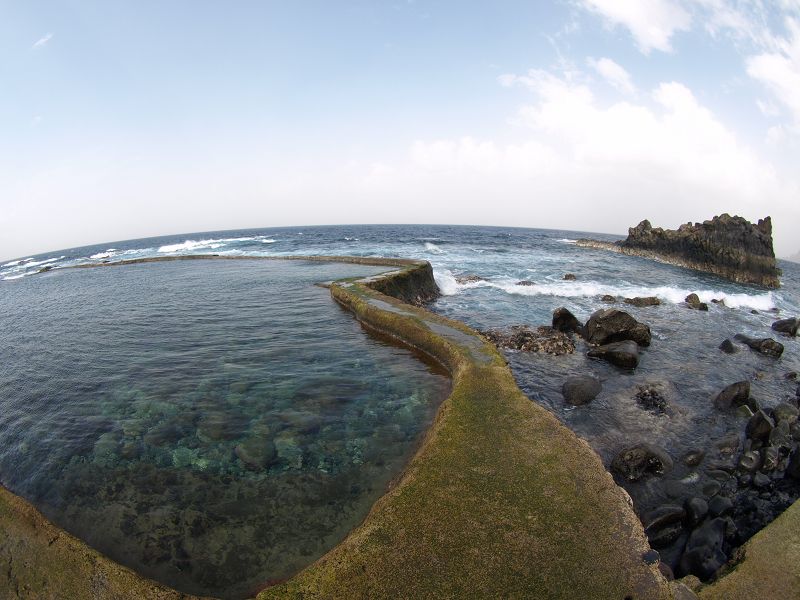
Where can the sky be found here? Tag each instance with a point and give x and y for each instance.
(123, 120)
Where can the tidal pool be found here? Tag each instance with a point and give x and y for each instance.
(214, 425)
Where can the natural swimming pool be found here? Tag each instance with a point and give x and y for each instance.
(212, 424)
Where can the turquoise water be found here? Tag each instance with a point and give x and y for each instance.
(214, 425)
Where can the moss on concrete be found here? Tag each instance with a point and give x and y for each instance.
(771, 564)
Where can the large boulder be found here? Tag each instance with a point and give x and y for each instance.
(635, 462)
(612, 325)
(581, 389)
(787, 326)
(703, 555)
(736, 394)
(621, 354)
(765, 346)
(640, 301)
(564, 320)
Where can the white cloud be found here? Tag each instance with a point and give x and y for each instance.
(652, 23)
(779, 71)
(42, 41)
(614, 74)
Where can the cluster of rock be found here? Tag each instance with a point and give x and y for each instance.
(730, 247)
(521, 337)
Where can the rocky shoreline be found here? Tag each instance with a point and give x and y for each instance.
(730, 247)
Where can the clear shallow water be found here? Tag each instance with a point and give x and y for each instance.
(683, 358)
(212, 424)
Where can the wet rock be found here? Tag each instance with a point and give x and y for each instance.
(666, 536)
(621, 354)
(728, 347)
(666, 571)
(581, 389)
(781, 436)
(564, 320)
(650, 398)
(641, 460)
(765, 346)
(793, 466)
(643, 301)
(693, 301)
(696, 510)
(693, 458)
(786, 326)
(164, 434)
(662, 516)
(462, 279)
(744, 412)
(45, 269)
(609, 325)
(728, 444)
(791, 376)
(785, 412)
(794, 429)
(761, 481)
(569, 277)
(703, 555)
(736, 394)
(651, 557)
(542, 339)
(608, 298)
(257, 452)
(526, 283)
(711, 488)
(721, 302)
(749, 461)
(719, 505)
(769, 458)
(759, 426)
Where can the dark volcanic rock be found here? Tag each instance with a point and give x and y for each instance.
(621, 354)
(569, 277)
(581, 389)
(521, 337)
(787, 326)
(728, 348)
(703, 555)
(766, 346)
(693, 301)
(734, 395)
(612, 325)
(696, 510)
(643, 301)
(564, 320)
(731, 247)
(759, 426)
(637, 461)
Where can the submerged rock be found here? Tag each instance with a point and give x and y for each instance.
(643, 301)
(612, 325)
(621, 354)
(636, 462)
(650, 397)
(256, 452)
(787, 326)
(564, 320)
(581, 389)
(759, 426)
(462, 279)
(736, 394)
(766, 346)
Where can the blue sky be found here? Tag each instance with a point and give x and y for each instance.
(121, 120)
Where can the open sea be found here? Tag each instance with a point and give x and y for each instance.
(178, 415)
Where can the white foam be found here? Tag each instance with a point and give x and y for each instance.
(36, 263)
(447, 283)
(567, 241)
(268, 241)
(106, 254)
(189, 245)
(432, 248)
(11, 277)
(13, 263)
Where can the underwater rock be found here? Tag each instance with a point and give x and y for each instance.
(693, 301)
(736, 394)
(643, 301)
(612, 325)
(785, 412)
(581, 389)
(521, 337)
(621, 354)
(564, 320)
(256, 452)
(636, 462)
(727, 347)
(787, 326)
(221, 426)
(766, 346)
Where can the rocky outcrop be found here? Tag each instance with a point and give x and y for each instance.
(730, 247)
(611, 325)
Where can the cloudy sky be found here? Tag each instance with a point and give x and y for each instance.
(129, 119)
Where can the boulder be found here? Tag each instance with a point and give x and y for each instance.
(719, 505)
(693, 301)
(793, 467)
(785, 412)
(621, 354)
(786, 326)
(525, 283)
(569, 277)
(759, 426)
(693, 458)
(703, 555)
(643, 301)
(608, 298)
(564, 320)
(612, 325)
(650, 397)
(635, 462)
(728, 348)
(696, 510)
(581, 389)
(736, 394)
(766, 346)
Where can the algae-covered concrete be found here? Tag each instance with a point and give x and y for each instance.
(501, 500)
(770, 567)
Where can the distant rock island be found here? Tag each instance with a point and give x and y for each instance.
(727, 246)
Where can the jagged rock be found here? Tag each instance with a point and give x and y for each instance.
(635, 462)
(787, 326)
(736, 394)
(564, 320)
(462, 279)
(693, 301)
(612, 325)
(766, 346)
(45, 269)
(542, 339)
(581, 389)
(728, 348)
(569, 277)
(623, 354)
(256, 452)
(643, 301)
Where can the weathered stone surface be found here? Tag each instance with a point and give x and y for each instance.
(787, 326)
(564, 320)
(521, 337)
(766, 346)
(636, 462)
(643, 301)
(734, 395)
(621, 354)
(612, 325)
(581, 389)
